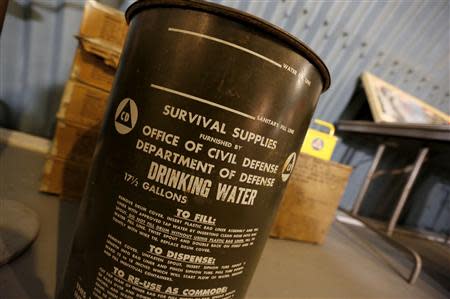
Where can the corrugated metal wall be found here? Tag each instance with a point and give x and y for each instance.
(36, 51)
(405, 42)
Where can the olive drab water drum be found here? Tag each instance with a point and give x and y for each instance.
(205, 121)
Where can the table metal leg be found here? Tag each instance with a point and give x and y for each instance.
(365, 186)
(416, 258)
(406, 190)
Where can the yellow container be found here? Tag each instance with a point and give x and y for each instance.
(319, 144)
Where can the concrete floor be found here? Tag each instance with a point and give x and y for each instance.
(343, 267)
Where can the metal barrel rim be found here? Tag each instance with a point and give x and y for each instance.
(238, 15)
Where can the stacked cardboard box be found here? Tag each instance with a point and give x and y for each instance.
(101, 37)
(311, 200)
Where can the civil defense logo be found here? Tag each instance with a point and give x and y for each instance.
(126, 116)
(288, 167)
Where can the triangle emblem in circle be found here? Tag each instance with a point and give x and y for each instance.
(124, 116)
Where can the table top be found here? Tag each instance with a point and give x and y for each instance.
(340, 268)
(415, 131)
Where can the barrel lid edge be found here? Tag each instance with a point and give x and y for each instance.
(139, 5)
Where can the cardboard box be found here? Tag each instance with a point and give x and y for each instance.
(102, 35)
(65, 178)
(73, 143)
(83, 105)
(66, 170)
(110, 56)
(91, 70)
(311, 199)
(103, 24)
